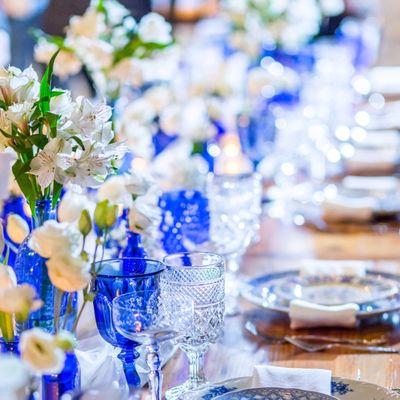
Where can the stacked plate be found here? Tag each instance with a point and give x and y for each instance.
(375, 293)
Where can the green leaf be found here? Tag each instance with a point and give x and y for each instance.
(38, 140)
(52, 120)
(20, 170)
(3, 105)
(79, 141)
(45, 85)
(100, 7)
(57, 188)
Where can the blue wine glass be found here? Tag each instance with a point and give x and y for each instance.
(116, 277)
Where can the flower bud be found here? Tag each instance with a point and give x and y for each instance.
(65, 340)
(85, 223)
(100, 214)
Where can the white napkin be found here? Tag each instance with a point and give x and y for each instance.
(379, 139)
(317, 380)
(333, 268)
(385, 80)
(303, 314)
(383, 184)
(342, 208)
(373, 160)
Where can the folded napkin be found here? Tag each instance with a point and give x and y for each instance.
(333, 268)
(303, 314)
(383, 184)
(373, 160)
(379, 139)
(385, 80)
(342, 208)
(317, 380)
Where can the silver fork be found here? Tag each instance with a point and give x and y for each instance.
(313, 347)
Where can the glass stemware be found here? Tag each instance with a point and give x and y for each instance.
(235, 209)
(148, 318)
(200, 277)
(119, 276)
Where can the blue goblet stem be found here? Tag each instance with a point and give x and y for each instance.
(128, 358)
(155, 375)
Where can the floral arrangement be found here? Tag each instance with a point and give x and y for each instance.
(56, 140)
(289, 24)
(110, 44)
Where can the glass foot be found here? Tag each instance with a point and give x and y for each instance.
(187, 391)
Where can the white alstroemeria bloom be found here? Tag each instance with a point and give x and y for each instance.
(140, 111)
(96, 54)
(18, 114)
(104, 134)
(138, 183)
(71, 206)
(19, 300)
(7, 277)
(332, 7)
(88, 117)
(17, 228)
(159, 97)
(127, 71)
(153, 28)
(116, 12)
(137, 137)
(143, 217)
(67, 272)
(40, 352)
(54, 237)
(62, 105)
(66, 63)
(14, 378)
(51, 162)
(171, 119)
(90, 25)
(114, 190)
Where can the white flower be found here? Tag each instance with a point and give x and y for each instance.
(67, 272)
(7, 277)
(332, 7)
(90, 25)
(114, 190)
(17, 228)
(170, 119)
(54, 237)
(138, 138)
(65, 64)
(71, 206)
(143, 217)
(140, 111)
(154, 29)
(128, 71)
(19, 300)
(14, 378)
(88, 117)
(62, 105)
(50, 163)
(116, 12)
(138, 183)
(159, 97)
(95, 53)
(40, 352)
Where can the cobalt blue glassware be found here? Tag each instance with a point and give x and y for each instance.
(116, 277)
(31, 268)
(54, 386)
(185, 220)
(9, 347)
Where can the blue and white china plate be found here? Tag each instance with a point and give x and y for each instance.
(336, 290)
(273, 393)
(263, 292)
(341, 388)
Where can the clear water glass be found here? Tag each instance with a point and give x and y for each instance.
(201, 277)
(235, 209)
(149, 318)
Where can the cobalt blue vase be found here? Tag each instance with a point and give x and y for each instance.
(31, 268)
(119, 276)
(9, 347)
(55, 385)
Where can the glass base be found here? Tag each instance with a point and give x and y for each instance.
(187, 390)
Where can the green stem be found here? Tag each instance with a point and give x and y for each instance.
(57, 308)
(7, 326)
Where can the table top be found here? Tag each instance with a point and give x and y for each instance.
(281, 247)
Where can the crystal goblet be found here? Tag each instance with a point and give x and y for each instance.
(200, 277)
(119, 276)
(148, 318)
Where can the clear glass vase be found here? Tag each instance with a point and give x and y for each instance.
(31, 268)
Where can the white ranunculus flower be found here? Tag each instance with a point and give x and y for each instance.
(17, 228)
(128, 71)
(71, 206)
(7, 277)
(54, 237)
(138, 183)
(67, 272)
(114, 190)
(14, 378)
(153, 28)
(90, 25)
(19, 299)
(40, 352)
(116, 12)
(143, 217)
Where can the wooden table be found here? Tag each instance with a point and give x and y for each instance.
(281, 247)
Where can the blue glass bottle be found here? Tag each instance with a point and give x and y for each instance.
(31, 268)
(114, 280)
(54, 386)
(10, 347)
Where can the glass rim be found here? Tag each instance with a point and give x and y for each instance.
(220, 260)
(242, 175)
(198, 283)
(150, 260)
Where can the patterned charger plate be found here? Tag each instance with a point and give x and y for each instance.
(263, 292)
(273, 394)
(341, 388)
